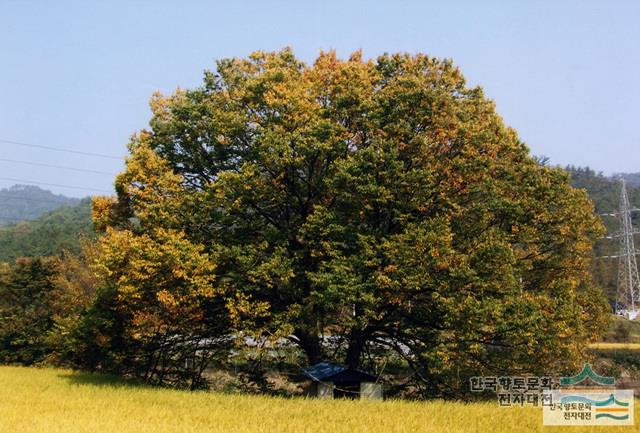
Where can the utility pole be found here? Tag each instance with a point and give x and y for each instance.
(628, 296)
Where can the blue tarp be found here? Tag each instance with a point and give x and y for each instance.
(331, 372)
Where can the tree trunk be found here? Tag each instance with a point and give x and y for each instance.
(355, 348)
(310, 344)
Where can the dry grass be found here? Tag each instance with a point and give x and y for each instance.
(59, 401)
(615, 346)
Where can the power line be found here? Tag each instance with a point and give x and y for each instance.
(61, 202)
(617, 214)
(40, 164)
(59, 149)
(55, 184)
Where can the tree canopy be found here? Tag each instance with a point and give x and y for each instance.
(380, 204)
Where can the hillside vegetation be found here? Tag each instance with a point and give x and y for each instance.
(49, 234)
(28, 202)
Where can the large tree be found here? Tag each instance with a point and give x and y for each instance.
(380, 202)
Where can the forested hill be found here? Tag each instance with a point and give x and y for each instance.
(49, 234)
(28, 202)
(605, 194)
(604, 191)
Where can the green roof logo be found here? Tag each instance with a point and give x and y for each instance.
(586, 372)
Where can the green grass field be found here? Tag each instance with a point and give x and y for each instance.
(51, 401)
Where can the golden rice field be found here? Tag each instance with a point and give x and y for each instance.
(615, 346)
(59, 401)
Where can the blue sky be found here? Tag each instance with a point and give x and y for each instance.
(78, 75)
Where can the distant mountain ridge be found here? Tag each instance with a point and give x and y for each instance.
(28, 202)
